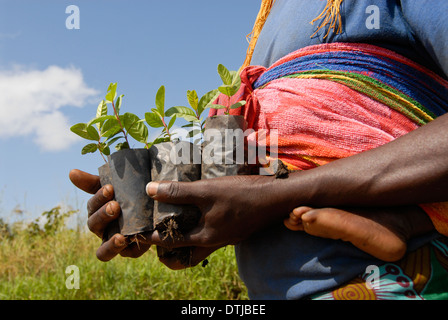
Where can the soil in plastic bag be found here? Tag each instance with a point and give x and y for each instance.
(106, 178)
(175, 161)
(130, 172)
(223, 149)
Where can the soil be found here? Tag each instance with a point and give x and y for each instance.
(172, 221)
(282, 171)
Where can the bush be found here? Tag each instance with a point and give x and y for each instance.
(50, 222)
(34, 259)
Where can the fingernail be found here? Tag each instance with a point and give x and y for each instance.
(109, 210)
(106, 191)
(293, 217)
(151, 189)
(119, 242)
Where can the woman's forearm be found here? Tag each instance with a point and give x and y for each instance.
(412, 169)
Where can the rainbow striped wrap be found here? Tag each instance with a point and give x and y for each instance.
(335, 100)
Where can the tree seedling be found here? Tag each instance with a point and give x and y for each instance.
(231, 84)
(156, 118)
(193, 114)
(107, 129)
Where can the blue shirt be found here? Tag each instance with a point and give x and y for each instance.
(416, 29)
(281, 264)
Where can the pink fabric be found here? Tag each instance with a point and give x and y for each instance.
(320, 120)
(317, 120)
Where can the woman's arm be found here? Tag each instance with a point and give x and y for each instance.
(412, 169)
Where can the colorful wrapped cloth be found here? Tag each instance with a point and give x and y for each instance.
(422, 275)
(335, 100)
(332, 101)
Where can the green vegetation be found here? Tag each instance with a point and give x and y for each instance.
(106, 129)
(34, 258)
(231, 84)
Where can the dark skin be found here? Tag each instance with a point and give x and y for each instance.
(410, 170)
(381, 232)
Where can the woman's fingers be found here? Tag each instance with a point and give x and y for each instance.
(120, 245)
(99, 199)
(85, 181)
(102, 210)
(100, 219)
(110, 248)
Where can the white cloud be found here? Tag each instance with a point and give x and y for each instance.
(31, 102)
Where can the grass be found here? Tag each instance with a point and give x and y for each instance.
(33, 267)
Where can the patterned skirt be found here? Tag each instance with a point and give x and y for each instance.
(421, 275)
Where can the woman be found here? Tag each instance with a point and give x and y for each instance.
(407, 170)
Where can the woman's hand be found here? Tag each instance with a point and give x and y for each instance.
(102, 210)
(232, 208)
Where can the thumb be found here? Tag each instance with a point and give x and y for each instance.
(174, 192)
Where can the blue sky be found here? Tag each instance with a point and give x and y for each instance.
(52, 77)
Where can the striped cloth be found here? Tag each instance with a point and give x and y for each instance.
(335, 100)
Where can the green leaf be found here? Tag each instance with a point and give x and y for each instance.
(188, 125)
(103, 148)
(134, 127)
(93, 133)
(179, 110)
(225, 75)
(192, 133)
(173, 119)
(207, 99)
(106, 150)
(110, 128)
(90, 148)
(228, 90)
(111, 92)
(111, 141)
(160, 100)
(85, 131)
(236, 81)
(161, 139)
(153, 120)
(188, 117)
(101, 111)
(80, 130)
(233, 75)
(138, 131)
(128, 119)
(193, 100)
(217, 106)
(118, 103)
(121, 146)
(238, 104)
(158, 114)
(100, 119)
